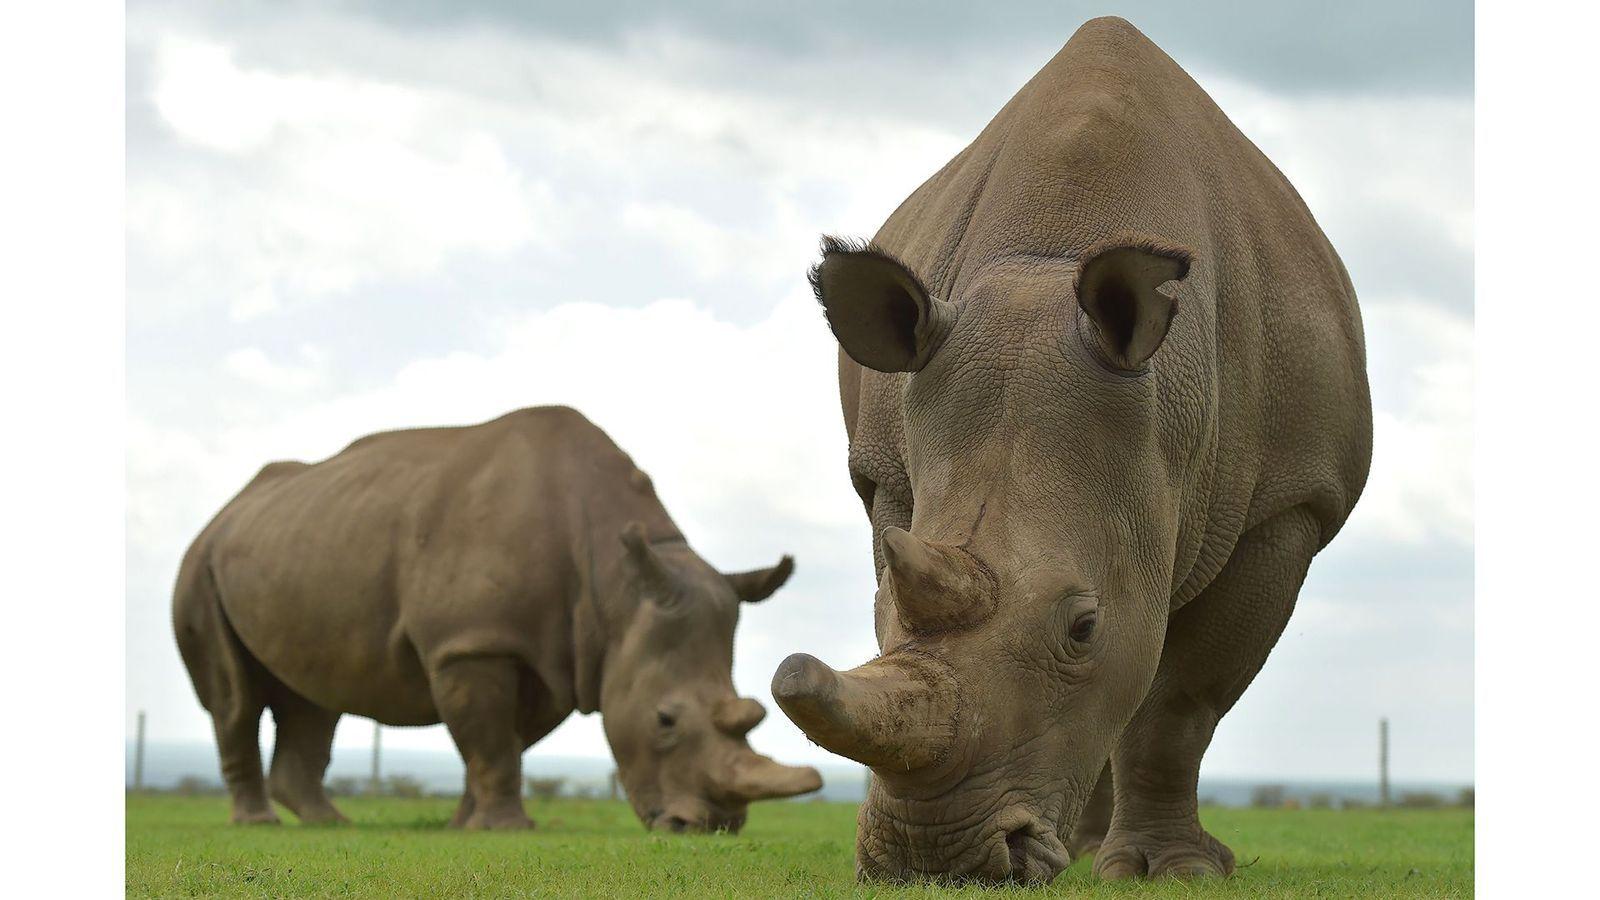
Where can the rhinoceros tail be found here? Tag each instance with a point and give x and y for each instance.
(220, 667)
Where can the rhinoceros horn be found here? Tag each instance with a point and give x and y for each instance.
(935, 587)
(755, 777)
(737, 715)
(896, 713)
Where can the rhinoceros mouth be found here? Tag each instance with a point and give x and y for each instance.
(714, 823)
(1034, 854)
(1030, 852)
(1015, 837)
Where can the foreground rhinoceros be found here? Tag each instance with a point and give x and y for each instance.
(1104, 382)
(495, 577)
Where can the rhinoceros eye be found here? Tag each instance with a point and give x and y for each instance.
(666, 719)
(1083, 628)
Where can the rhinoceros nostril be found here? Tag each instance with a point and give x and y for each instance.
(678, 823)
(1017, 844)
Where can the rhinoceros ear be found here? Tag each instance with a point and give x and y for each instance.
(643, 555)
(1116, 286)
(877, 307)
(753, 587)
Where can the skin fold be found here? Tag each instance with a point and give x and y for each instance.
(495, 577)
(1104, 380)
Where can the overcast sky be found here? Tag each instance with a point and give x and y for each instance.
(351, 217)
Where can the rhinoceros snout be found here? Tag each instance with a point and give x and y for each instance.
(1014, 846)
(697, 822)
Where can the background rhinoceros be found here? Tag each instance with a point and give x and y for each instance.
(1094, 498)
(495, 577)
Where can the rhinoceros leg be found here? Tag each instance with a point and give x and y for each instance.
(477, 698)
(463, 810)
(300, 757)
(236, 721)
(1215, 645)
(231, 685)
(1095, 819)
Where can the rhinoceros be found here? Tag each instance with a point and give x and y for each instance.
(496, 577)
(1104, 383)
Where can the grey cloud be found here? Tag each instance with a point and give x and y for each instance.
(1299, 46)
(1398, 258)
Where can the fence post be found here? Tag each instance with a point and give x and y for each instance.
(1383, 763)
(377, 748)
(138, 754)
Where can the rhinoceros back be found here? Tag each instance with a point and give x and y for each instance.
(345, 577)
(1113, 136)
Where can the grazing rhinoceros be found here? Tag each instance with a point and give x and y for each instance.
(496, 577)
(1094, 495)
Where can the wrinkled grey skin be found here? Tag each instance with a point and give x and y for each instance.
(1104, 382)
(495, 577)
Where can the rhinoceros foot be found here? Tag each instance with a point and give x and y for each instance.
(1129, 855)
(498, 817)
(260, 816)
(308, 802)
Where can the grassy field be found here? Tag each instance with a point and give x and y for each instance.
(178, 846)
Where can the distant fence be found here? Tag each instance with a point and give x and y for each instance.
(192, 769)
(1278, 796)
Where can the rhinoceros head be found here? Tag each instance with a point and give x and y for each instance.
(1024, 556)
(674, 722)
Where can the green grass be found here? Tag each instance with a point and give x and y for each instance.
(181, 846)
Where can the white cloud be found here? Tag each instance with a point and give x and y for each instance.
(714, 249)
(167, 490)
(301, 187)
(741, 416)
(252, 366)
(1421, 484)
(307, 186)
(210, 100)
